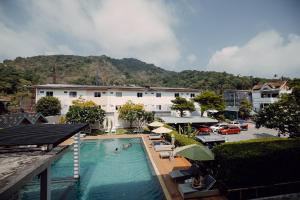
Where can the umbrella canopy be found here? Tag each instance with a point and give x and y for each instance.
(156, 124)
(161, 130)
(212, 111)
(195, 152)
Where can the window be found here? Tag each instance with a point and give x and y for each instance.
(192, 95)
(158, 107)
(158, 94)
(118, 94)
(118, 107)
(111, 92)
(65, 92)
(275, 95)
(97, 94)
(42, 92)
(176, 94)
(139, 94)
(73, 94)
(49, 93)
(103, 92)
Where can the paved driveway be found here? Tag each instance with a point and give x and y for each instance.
(252, 133)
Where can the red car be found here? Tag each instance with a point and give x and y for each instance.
(229, 130)
(204, 130)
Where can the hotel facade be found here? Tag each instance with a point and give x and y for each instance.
(110, 98)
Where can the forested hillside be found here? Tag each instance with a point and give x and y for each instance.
(16, 74)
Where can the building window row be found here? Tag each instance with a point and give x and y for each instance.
(117, 94)
(97, 94)
(274, 95)
(49, 93)
(72, 94)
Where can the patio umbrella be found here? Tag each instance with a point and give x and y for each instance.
(195, 152)
(156, 124)
(162, 130)
(212, 111)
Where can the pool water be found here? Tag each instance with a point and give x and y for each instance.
(104, 173)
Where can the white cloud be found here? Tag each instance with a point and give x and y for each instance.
(191, 58)
(134, 28)
(266, 54)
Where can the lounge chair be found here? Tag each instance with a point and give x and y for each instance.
(154, 136)
(165, 154)
(182, 174)
(187, 191)
(163, 147)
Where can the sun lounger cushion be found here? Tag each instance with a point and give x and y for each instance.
(187, 191)
(164, 154)
(181, 174)
(154, 136)
(163, 147)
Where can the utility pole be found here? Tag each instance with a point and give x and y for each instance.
(97, 78)
(54, 74)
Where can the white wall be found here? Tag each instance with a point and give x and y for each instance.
(108, 100)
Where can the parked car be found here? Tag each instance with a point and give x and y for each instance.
(229, 130)
(241, 124)
(216, 128)
(204, 130)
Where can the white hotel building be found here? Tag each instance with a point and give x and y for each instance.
(110, 98)
(268, 93)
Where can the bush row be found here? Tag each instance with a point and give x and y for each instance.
(257, 162)
(180, 139)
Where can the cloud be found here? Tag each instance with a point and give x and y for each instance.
(191, 58)
(134, 28)
(266, 54)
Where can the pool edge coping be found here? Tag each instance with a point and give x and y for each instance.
(160, 179)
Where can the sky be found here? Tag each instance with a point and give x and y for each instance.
(246, 37)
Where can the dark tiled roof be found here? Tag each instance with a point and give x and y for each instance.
(15, 119)
(125, 88)
(39, 134)
(273, 85)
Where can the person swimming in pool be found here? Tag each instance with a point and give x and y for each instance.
(126, 146)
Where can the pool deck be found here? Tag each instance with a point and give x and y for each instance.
(162, 167)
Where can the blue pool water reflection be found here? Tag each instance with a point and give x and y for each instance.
(104, 173)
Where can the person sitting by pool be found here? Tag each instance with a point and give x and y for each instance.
(126, 146)
(198, 182)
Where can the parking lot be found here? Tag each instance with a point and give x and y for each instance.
(251, 133)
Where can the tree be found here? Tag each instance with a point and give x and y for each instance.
(181, 104)
(128, 112)
(210, 100)
(80, 102)
(85, 114)
(48, 106)
(143, 117)
(283, 115)
(245, 109)
(83, 111)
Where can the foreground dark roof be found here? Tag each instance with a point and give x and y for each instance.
(41, 134)
(15, 119)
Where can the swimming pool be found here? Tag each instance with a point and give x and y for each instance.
(104, 173)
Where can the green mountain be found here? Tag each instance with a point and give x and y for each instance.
(20, 72)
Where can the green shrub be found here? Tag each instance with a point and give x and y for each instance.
(257, 162)
(48, 106)
(180, 139)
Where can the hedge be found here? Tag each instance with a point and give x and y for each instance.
(180, 139)
(257, 162)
